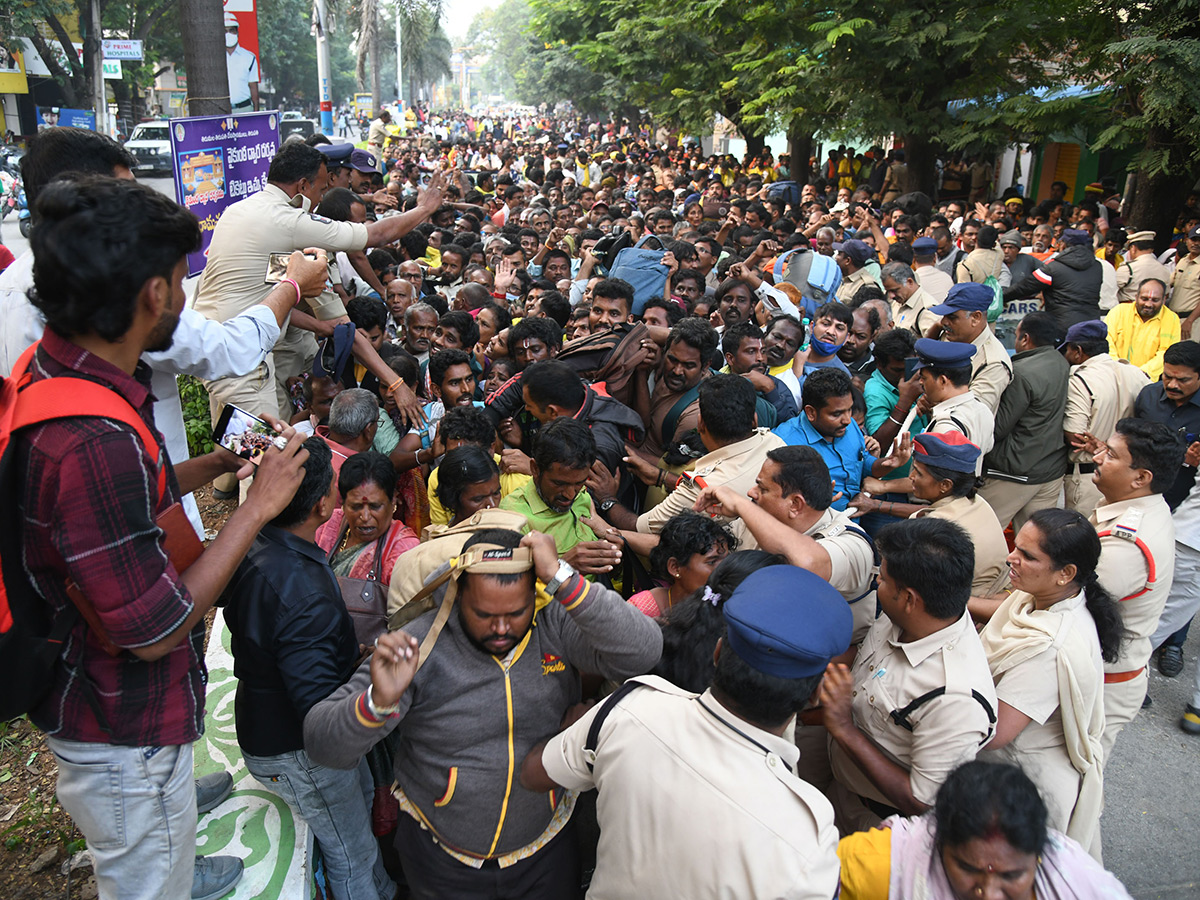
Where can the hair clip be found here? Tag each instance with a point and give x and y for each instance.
(711, 596)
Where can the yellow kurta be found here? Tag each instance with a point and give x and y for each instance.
(1139, 341)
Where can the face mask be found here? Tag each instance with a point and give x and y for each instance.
(824, 347)
(230, 39)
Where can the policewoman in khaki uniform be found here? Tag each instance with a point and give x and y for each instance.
(1101, 391)
(1137, 553)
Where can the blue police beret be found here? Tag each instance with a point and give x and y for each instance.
(337, 153)
(1091, 330)
(949, 450)
(967, 295)
(363, 161)
(944, 354)
(857, 250)
(787, 622)
(924, 246)
(1072, 236)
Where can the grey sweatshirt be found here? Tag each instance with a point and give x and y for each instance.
(462, 738)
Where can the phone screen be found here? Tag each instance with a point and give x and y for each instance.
(910, 367)
(243, 434)
(277, 264)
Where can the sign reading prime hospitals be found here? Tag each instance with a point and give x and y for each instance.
(219, 160)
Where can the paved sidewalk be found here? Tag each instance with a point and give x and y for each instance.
(253, 823)
(1151, 823)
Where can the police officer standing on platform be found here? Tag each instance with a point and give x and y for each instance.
(277, 219)
(716, 769)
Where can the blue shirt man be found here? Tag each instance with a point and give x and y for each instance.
(826, 425)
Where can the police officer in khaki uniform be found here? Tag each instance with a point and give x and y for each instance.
(852, 257)
(964, 320)
(716, 768)
(1140, 264)
(911, 303)
(276, 220)
(1137, 552)
(945, 372)
(1101, 391)
(919, 700)
(1185, 284)
(736, 451)
(788, 512)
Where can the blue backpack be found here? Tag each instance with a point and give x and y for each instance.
(643, 269)
(818, 277)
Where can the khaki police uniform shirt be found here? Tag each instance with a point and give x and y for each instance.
(247, 233)
(852, 560)
(1101, 391)
(991, 550)
(1133, 272)
(695, 802)
(947, 730)
(991, 369)
(914, 313)
(1125, 571)
(1185, 287)
(967, 415)
(852, 283)
(934, 282)
(735, 465)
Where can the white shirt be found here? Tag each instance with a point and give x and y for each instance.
(201, 347)
(242, 67)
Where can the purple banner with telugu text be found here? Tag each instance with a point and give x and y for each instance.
(218, 161)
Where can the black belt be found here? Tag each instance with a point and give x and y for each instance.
(1085, 468)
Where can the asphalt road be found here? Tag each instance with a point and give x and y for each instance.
(1151, 824)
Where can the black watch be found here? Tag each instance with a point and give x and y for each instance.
(607, 503)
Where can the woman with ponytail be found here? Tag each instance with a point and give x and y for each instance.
(1045, 645)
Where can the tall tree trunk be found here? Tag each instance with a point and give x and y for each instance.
(376, 92)
(1154, 201)
(921, 158)
(800, 142)
(203, 25)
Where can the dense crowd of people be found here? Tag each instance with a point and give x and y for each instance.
(613, 487)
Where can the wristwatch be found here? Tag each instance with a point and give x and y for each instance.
(561, 577)
(607, 503)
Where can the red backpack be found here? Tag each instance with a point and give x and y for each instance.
(31, 637)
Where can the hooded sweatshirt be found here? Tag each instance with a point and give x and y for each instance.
(1069, 284)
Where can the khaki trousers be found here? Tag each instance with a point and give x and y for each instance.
(1080, 492)
(1015, 502)
(1122, 703)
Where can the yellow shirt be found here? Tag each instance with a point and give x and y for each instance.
(439, 515)
(866, 858)
(1142, 342)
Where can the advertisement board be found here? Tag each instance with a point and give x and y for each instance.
(219, 160)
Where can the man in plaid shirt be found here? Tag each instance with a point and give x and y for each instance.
(109, 261)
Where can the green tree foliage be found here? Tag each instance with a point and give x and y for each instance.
(533, 70)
